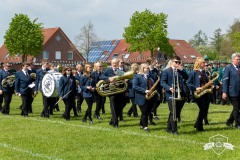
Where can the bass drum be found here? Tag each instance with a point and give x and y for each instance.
(50, 84)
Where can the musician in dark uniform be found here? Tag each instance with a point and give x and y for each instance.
(78, 76)
(116, 99)
(6, 89)
(32, 71)
(170, 76)
(131, 92)
(88, 88)
(196, 80)
(98, 98)
(231, 89)
(141, 85)
(67, 91)
(38, 86)
(23, 81)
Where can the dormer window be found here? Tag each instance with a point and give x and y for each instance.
(192, 56)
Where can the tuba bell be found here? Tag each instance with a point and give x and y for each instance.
(8, 81)
(105, 88)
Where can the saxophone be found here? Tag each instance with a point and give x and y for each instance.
(152, 90)
(207, 88)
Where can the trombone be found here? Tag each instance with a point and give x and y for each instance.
(176, 90)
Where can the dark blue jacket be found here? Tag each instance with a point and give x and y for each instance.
(87, 81)
(67, 84)
(140, 85)
(231, 81)
(3, 75)
(193, 81)
(22, 82)
(167, 81)
(107, 73)
(131, 92)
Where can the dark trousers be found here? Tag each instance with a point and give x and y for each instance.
(172, 122)
(1, 102)
(236, 108)
(180, 105)
(133, 108)
(99, 103)
(115, 106)
(7, 100)
(156, 105)
(124, 100)
(26, 99)
(103, 104)
(46, 106)
(203, 105)
(145, 111)
(88, 112)
(69, 103)
(79, 101)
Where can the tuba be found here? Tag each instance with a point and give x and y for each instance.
(207, 88)
(8, 81)
(105, 88)
(33, 76)
(152, 90)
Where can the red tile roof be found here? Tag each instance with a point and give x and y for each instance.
(48, 33)
(181, 48)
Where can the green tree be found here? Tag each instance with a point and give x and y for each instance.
(217, 40)
(24, 37)
(147, 31)
(235, 39)
(85, 39)
(210, 51)
(199, 39)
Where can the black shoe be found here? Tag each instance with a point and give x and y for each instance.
(111, 122)
(229, 124)
(67, 119)
(153, 123)
(156, 117)
(168, 131)
(237, 126)
(84, 120)
(195, 125)
(200, 129)
(146, 129)
(206, 123)
(103, 112)
(175, 133)
(90, 121)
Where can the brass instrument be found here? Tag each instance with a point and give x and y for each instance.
(33, 76)
(207, 88)
(152, 90)
(105, 88)
(8, 81)
(177, 91)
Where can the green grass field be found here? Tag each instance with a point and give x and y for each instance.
(35, 137)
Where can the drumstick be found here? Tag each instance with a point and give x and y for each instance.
(62, 98)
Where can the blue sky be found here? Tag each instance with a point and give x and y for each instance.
(109, 17)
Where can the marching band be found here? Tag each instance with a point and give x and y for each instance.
(144, 85)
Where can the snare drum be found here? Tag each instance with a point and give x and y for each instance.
(50, 84)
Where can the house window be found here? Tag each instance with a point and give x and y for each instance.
(45, 55)
(102, 56)
(165, 57)
(126, 56)
(192, 56)
(70, 55)
(184, 56)
(115, 56)
(139, 56)
(58, 55)
(6, 56)
(159, 55)
(58, 37)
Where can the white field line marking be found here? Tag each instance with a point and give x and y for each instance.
(4, 145)
(171, 138)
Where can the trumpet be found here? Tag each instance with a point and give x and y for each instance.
(177, 91)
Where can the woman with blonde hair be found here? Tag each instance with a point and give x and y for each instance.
(131, 95)
(196, 80)
(87, 86)
(141, 85)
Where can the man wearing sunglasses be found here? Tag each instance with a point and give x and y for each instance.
(172, 82)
